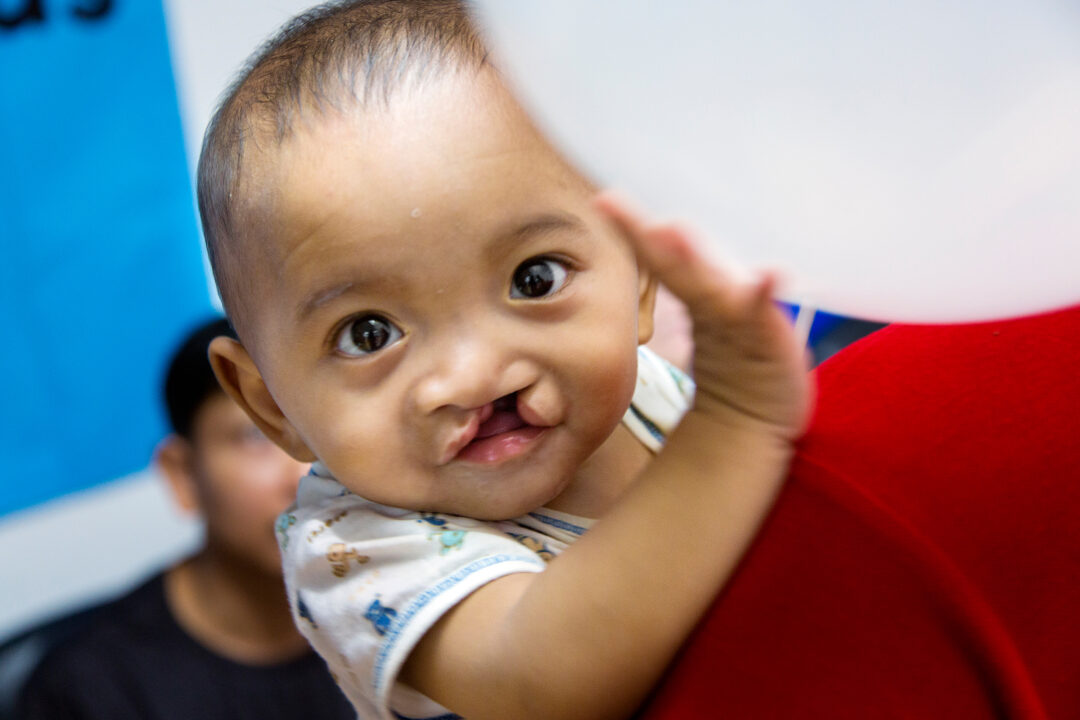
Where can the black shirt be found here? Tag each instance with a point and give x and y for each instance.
(135, 662)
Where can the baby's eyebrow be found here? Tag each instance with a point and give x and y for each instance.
(323, 297)
(359, 282)
(510, 237)
(546, 223)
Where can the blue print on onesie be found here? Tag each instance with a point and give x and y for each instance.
(448, 537)
(381, 617)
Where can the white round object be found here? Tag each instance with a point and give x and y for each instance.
(909, 161)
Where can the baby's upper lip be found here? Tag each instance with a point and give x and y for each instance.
(465, 435)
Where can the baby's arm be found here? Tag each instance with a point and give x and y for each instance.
(590, 636)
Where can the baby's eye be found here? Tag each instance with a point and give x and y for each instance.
(538, 277)
(366, 335)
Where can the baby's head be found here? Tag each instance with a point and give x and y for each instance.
(426, 299)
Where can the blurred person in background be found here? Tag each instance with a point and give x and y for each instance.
(211, 637)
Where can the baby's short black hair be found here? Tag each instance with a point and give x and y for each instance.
(338, 56)
(190, 380)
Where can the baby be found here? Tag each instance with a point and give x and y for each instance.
(444, 316)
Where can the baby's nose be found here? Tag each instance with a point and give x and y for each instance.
(471, 377)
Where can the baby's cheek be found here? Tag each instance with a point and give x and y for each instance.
(608, 380)
(357, 446)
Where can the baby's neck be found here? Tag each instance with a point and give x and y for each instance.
(604, 476)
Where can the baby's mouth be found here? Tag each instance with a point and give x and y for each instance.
(498, 433)
(503, 418)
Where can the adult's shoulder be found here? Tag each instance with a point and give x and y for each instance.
(134, 616)
(84, 655)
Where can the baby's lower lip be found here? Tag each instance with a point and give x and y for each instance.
(502, 446)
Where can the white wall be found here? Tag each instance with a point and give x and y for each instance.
(66, 553)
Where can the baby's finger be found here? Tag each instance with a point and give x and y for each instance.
(667, 251)
(661, 247)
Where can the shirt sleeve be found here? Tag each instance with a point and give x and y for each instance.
(367, 581)
(662, 395)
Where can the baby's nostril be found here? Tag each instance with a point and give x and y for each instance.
(506, 402)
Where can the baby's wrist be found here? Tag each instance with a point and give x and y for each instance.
(716, 446)
(726, 419)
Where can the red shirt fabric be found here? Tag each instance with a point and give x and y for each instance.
(923, 560)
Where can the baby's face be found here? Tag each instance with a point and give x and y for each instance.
(446, 322)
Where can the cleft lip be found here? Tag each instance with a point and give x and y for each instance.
(466, 435)
(530, 416)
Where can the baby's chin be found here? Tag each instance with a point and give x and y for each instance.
(499, 505)
(505, 509)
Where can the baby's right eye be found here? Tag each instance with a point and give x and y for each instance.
(366, 335)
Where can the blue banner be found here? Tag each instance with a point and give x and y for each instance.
(102, 267)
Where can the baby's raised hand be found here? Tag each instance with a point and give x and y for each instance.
(749, 368)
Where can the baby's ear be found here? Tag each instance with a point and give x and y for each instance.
(646, 304)
(242, 381)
